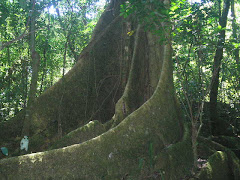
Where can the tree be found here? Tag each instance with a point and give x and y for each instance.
(35, 68)
(216, 122)
(50, 38)
(147, 126)
(124, 79)
(234, 34)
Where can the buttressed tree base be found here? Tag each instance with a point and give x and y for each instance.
(125, 82)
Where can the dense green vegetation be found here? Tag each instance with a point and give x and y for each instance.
(195, 37)
(202, 49)
(63, 29)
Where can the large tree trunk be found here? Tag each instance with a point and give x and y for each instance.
(145, 137)
(90, 88)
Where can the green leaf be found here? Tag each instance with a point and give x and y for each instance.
(236, 45)
(219, 27)
(122, 13)
(173, 8)
(151, 154)
(141, 161)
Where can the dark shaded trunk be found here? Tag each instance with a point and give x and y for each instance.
(9, 79)
(235, 36)
(234, 31)
(216, 122)
(44, 71)
(35, 67)
(24, 82)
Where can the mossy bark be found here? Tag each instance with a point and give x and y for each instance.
(222, 162)
(89, 91)
(221, 166)
(117, 152)
(80, 135)
(150, 138)
(136, 90)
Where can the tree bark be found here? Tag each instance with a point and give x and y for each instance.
(44, 71)
(24, 81)
(234, 31)
(149, 140)
(235, 36)
(35, 67)
(216, 124)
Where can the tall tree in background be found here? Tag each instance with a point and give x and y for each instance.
(49, 43)
(35, 67)
(216, 123)
(234, 34)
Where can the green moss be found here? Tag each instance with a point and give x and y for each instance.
(80, 135)
(112, 154)
(82, 96)
(234, 164)
(176, 160)
(216, 168)
(208, 148)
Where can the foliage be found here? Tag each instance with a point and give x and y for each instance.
(150, 13)
(195, 36)
(194, 40)
(72, 28)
